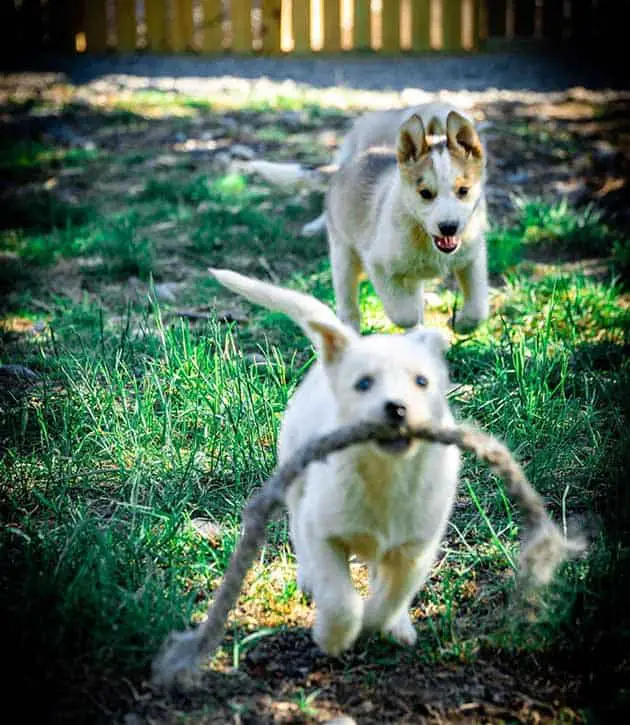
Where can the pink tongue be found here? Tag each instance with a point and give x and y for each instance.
(446, 244)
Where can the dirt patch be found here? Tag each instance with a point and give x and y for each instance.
(278, 675)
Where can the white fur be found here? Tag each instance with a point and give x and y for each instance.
(389, 509)
(280, 174)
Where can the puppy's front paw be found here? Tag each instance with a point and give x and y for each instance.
(334, 633)
(403, 631)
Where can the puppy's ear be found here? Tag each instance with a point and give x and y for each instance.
(324, 329)
(331, 341)
(430, 337)
(461, 135)
(412, 140)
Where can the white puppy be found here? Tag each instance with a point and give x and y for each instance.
(388, 504)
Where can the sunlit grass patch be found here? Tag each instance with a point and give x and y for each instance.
(44, 249)
(560, 225)
(23, 154)
(573, 308)
(142, 422)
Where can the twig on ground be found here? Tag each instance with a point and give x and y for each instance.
(543, 548)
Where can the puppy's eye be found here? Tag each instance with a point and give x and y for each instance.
(421, 381)
(462, 192)
(427, 194)
(364, 384)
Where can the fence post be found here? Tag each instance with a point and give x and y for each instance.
(496, 13)
(212, 26)
(481, 23)
(301, 25)
(241, 16)
(361, 30)
(553, 20)
(271, 15)
(524, 18)
(155, 18)
(125, 25)
(33, 23)
(180, 32)
(64, 21)
(390, 33)
(10, 29)
(332, 26)
(421, 25)
(451, 25)
(95, 25)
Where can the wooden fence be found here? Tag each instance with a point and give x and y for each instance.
(283, 26)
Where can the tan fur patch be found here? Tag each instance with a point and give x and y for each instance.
(374, 470)
(470, 169)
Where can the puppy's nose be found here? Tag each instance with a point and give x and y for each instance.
(395, 412)
(448, 229)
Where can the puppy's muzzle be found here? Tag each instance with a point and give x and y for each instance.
(396, 414)
(448, 241)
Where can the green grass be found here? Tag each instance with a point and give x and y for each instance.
(142, 423)
(558, 229)
(21, 155)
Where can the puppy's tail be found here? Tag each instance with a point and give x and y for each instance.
(290, 175)
(281, 174)
(296, 305)
(318, 321)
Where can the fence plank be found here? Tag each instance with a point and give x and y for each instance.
(361, 30)
(332, 26)
(553, 19)
(524, 18)
(471, 30)
(421, 25)
(33, 23)
(155, 18)
(241, 16)
(496, 14)
(451, 25)
(126, 25)
(10, 29)
(64, 22)
(583, 20)
(180, 29)
(271, 15)
(95, 25)
(212, 26)
(391, 27)
(301, 21)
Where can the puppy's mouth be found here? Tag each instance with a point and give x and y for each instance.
(396, 445)
(446, 244)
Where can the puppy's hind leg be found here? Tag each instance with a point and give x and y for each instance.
(346, 269)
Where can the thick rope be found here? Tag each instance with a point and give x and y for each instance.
(543, 548)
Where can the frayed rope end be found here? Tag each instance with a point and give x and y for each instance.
(177, 660)
(545, 550)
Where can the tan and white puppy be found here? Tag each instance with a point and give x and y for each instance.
(388, 504)
(405, 204)
(410, 213)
